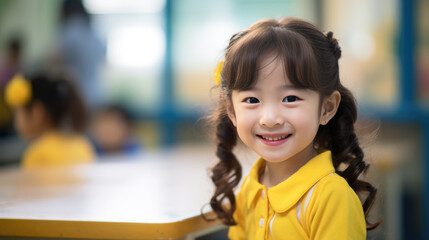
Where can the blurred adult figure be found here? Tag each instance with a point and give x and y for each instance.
(10, 64)
(82, 50)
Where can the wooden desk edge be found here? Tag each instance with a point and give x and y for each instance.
(102, 230)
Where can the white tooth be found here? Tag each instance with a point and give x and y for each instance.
(275, 139)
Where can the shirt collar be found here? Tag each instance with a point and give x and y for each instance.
(287, 193)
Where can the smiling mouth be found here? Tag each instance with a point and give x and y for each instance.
(274, 138)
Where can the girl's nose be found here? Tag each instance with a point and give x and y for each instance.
(271, 117)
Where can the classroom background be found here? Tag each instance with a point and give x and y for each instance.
(154, 60)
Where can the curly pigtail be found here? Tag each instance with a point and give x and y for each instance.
(226, 174)
(339, 136)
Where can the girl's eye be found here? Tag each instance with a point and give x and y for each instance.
(291, 99)
(251, 100)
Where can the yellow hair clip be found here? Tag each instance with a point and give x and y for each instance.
(218, 73)
(18, 91)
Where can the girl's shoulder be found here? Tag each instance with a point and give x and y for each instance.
(333, 182)
(333, 189)
(334, 203)
(332, 185)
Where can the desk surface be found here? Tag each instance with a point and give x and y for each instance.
(155, 195)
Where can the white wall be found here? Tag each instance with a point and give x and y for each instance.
(34, 20)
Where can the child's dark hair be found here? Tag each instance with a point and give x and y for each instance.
(60, 99)
(120, 111)
(310, 60)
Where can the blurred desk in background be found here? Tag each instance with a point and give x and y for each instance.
(152, 196)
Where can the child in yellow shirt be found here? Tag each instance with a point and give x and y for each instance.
(48, 110)
(280, 92)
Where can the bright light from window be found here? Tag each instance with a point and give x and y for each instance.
(215, 43)
(362, 45)
(135, 47)
(124, 6)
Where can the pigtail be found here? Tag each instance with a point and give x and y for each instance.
(339, 136)
(226, 174)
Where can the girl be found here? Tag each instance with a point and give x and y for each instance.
(49, 110)
(281, 94)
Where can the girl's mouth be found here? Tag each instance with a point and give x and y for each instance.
(274, 140)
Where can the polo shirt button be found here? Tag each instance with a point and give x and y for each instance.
(261, 222)
(263, 194)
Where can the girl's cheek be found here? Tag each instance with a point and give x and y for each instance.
(303, 119)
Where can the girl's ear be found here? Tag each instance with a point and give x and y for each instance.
(329, 107)
(231, 113)
(30, 121)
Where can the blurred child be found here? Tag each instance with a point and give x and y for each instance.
(48, 111)
(82, 50)
(112, 132)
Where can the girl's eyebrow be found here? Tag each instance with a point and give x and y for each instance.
(282, 87)
(286, 86)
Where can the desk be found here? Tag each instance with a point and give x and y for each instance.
(152, 196)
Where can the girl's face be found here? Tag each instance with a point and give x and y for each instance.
(274, 118)
(29, 121)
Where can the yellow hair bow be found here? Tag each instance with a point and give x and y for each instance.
(18, 91)
(218, 73)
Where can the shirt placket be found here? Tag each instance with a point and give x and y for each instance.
(263, 215)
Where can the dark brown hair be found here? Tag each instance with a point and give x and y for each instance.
(310, 60)
(60, 98)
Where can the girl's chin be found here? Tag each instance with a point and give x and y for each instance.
(273, 159)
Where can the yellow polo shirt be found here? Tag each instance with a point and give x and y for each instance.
(55, 148)
(314, 203)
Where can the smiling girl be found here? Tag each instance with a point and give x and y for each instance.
(281, 94)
